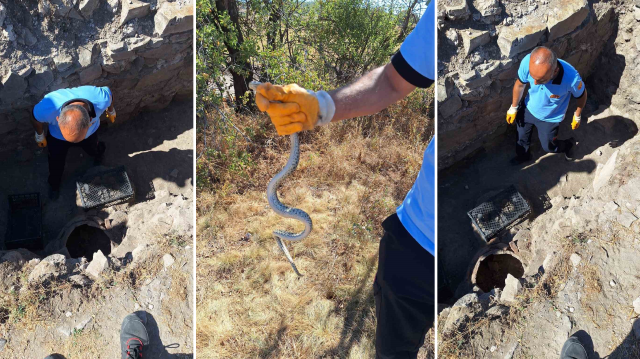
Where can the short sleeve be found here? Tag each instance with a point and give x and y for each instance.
(45, 111)
(102, 99)
(523, 70)
(577, 86)
(415, 61)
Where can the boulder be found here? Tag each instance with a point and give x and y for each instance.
(132, 9)
(87, 7)
(472, 39)
(99, 263)
(172, 18)
(52, 267)
(566, 17)
(514, 40)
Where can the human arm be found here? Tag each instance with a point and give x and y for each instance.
(518, 90)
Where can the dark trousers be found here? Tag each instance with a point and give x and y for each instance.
(58, 155)
(404, 292)
(547, 133)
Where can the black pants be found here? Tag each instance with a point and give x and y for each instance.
(547, 132)
(404, 291)
(58, 155)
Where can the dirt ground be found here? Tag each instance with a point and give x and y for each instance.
(469, 183)
(157, 151)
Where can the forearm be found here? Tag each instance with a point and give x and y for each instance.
(369, 94)
(38, 126)
(518, 90)
(582, 101)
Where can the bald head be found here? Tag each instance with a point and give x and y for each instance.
(74, 122)
(543, 65)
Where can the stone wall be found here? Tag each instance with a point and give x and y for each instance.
(480, 46)
(141, 50)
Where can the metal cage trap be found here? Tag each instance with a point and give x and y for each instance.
(24, 228)
(105, 188)
(494, 215)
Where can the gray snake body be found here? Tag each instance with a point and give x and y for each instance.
(282, 209)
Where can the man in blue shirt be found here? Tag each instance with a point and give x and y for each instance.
(552, 82)
(404, 287)
(73, 117)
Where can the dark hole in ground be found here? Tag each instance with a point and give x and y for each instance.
(493, 271)
(4, 315)
(86, 240)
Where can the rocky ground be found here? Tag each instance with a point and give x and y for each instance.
(578, 247)
(52, 302)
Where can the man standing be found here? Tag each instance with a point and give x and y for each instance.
(551, 82)
(404, 287)
(73, 116)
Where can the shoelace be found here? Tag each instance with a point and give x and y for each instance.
(134, 353)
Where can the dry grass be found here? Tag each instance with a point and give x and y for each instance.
(250, 303)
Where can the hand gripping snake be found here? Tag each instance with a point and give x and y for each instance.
(279, 207)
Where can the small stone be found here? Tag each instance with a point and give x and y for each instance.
(68, 314)
(599, 153)
(605, 173)
(575, 259)
(150, 306)
(571, 309)
(511, 288)
(612, 283)
(636, 305)
(493, 348)
(98, 264)
(168, 260)
(136, 306)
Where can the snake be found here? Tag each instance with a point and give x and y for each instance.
(281, 208)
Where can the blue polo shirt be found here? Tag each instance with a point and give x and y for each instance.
(49, 108)
(415, 62)
(549, 102)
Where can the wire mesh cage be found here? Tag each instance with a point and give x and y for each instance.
(494, 215)
(105, 188)
(24, 228)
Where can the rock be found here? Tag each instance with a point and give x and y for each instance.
(626, 218)
(450, 106)
(3, 14)
(602, 178)
(464, 310)
(63, 61)
(25, 72)
(62, 7)
(636, 14)
(489, 10)
(168, 260)
(9, 34)
(567, 17)
(13, 87)
(85, 57)
(497, 311)
(172, 18)
(458, 11)
(80, 280)
(452, 35)
(50, 268)
(12, 256)
(98, 264)
(137, 42)
(636, 305)
(610, 206)
(511, 288)
(612, 283)
(472, 39)
(132, 9)
(28, 37)
(92, 73)
(3, 342)
(87, 7)
(40, 82)
(575, 259)
(514, 40)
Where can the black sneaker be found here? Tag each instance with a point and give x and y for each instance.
(573, 349)
(53, 193)
(133, 337)
(55, 356)
(518, 160)
(569, 152)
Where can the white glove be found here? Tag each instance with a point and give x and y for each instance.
(512, 110)
(40, 137)
(326, 107)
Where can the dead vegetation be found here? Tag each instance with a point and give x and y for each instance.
(351, 176)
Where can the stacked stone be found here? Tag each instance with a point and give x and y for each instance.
(475, 85)
(142, 51)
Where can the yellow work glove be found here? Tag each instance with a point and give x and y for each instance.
(111, 115)
(511, 114)
(293, 109)
(576, 121)
(41, 139)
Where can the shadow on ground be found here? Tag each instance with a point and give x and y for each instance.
(148, 146)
